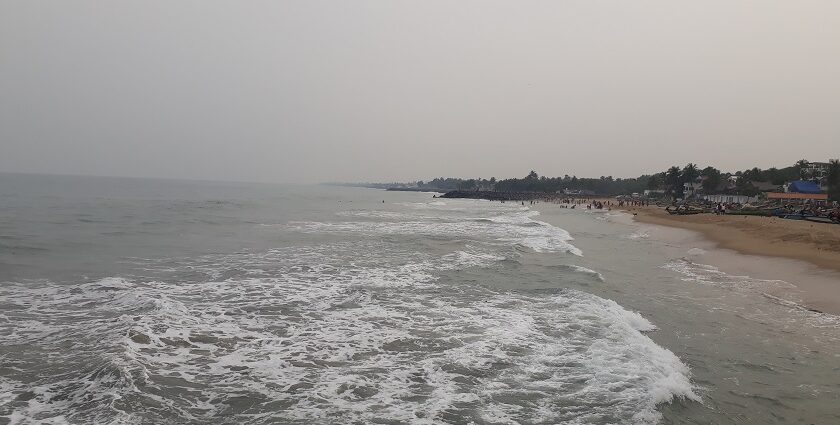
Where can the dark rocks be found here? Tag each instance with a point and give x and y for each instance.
(501, 196)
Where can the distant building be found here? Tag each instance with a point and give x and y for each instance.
(654, 193)
(730, 183)
(818, 198)
(817, 172)
(730, 199)
(767, 186)
(691, 189)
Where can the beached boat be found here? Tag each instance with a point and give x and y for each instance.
(748, 212)
(812, 218)
(685, 212)
(818, 219)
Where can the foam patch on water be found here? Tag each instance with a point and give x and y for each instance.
(711, 275)
(587, 271)
(638, 234)
(516, 228)
(303, 335)
(465, 259)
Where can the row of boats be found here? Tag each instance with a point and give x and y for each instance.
(810, 213)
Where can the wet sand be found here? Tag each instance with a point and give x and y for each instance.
(803, 253)
(816, 243)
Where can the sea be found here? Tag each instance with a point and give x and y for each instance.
(154, 301)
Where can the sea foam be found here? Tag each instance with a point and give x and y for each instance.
(308, 337)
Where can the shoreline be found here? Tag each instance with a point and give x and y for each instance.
(804, 254)
(758, 247)
(814, 243)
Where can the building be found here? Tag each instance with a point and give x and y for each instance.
(816, 170)
(767, 186)
(792, 197)
(730, 199)
(691, 189)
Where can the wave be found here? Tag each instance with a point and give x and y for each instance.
(517, 228)
(748, 286)
(306, 336)
(582, 270)
(711, 275)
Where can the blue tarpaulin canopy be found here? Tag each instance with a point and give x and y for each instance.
(802, 186)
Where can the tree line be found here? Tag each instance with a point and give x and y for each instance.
(671, 181)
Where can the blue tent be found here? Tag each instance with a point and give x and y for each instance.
(802, 186)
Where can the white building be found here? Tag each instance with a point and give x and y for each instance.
(731, 199)
(818, 172)
(691, 188)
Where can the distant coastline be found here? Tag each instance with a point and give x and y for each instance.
(414, 189)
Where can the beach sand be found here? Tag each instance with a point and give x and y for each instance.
(802, 253)
(816, 243)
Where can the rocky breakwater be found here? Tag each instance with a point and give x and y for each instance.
(500, 196)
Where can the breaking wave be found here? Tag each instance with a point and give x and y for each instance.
(516, 227)
(303, 336)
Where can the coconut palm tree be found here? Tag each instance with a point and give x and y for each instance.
(690, 173)
(673, 182)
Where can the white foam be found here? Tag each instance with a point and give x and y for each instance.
(748, 286)
(465, 259)
(639, 234)
(584, 270)
(515, 228)
(342, 342)
(711, 275)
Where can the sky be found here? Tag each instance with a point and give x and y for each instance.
(313, 91)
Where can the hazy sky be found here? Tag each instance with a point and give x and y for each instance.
(305, 91)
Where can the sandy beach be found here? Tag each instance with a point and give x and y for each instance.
(816, 243)
(802, 253)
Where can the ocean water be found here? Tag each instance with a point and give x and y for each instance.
(154, 301)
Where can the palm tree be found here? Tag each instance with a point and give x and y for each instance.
(673, 181)
(690, 173)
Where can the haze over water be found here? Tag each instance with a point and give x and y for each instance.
(152, 301)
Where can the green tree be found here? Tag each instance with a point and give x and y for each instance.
(689, 173)
(745, 187)
(833, 179)
(673, 182)
(711, 179)
(656, 181)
